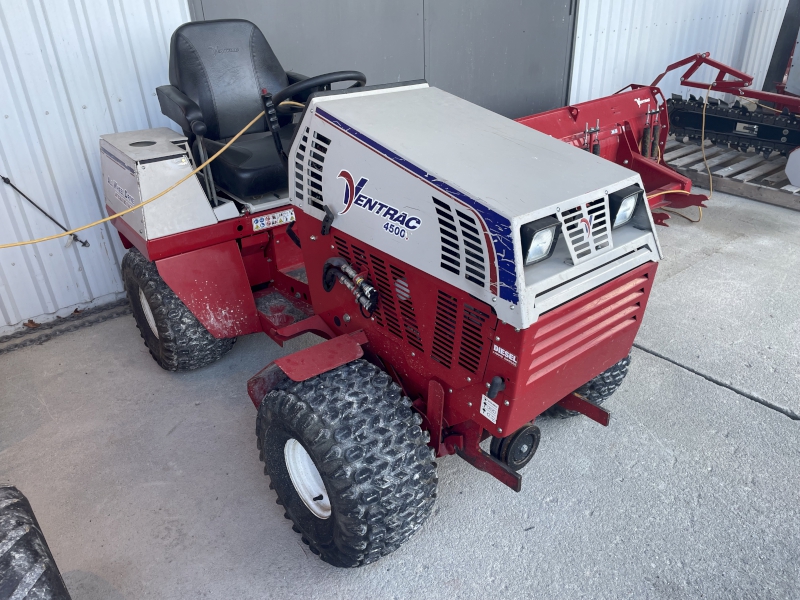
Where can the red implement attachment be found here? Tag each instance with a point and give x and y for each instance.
(629, 128)
(738, 85)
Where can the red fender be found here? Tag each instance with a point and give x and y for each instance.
(307, 363)
(212, 283)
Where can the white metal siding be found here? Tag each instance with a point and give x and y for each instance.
(631, 41)
(70, 70)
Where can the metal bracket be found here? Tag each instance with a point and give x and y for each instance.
(467, 438)
(594, 412)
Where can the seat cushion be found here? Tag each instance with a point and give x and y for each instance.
(251, 166)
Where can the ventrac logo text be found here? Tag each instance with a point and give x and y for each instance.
(398, 222)
(586, 224)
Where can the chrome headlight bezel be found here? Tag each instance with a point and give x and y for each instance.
(528, 233)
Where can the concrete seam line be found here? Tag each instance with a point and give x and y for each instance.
(786, 411)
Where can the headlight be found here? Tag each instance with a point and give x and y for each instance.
(539, 239)
(623, 204)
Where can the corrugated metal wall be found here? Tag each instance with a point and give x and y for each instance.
(618, 42)
(70, 70)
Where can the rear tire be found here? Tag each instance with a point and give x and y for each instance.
(367, 481)
(27, 569)
(173, 335)
(596, 391)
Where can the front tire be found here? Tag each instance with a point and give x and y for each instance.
(349, 463)
(173, 335)
(596, 391)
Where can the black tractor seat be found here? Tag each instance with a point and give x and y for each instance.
(217, 70)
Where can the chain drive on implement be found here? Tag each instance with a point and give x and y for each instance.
(734, 125)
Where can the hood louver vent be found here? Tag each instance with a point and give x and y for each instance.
(299, 177)
(312, 153)
(462, 244)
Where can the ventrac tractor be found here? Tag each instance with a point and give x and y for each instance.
(466, 272)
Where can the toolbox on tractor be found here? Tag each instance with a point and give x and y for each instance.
(468, 273)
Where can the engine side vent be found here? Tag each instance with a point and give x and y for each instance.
(341, 247)
(403, 295)
(315, 150)
(444, 333)
(386, 303)
(360, 261)
(462, 243)
(473, 343)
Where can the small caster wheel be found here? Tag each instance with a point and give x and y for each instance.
(518, 449)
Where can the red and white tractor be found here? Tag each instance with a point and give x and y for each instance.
(467, 272)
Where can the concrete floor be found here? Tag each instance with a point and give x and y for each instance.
(148, 484)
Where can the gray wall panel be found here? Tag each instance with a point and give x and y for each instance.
(631, 41)
(70, 70)
(510, 56)
(381, 38)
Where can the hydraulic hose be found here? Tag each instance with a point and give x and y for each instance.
(366, 295)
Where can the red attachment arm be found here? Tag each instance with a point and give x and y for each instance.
(735, 86)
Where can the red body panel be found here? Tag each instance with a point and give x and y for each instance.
(564, 349)
(212, 283)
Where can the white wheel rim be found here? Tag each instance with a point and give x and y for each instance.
(148, 314)
(306, 479)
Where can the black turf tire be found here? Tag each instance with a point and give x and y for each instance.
(27, 569)
(182, 343)
(370, 452)
(596, 391)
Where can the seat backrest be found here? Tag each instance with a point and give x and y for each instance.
(222, 66)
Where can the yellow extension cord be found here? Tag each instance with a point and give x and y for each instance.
(141, 204)
(705, 162)
(261, 114)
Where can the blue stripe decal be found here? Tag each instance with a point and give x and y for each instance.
(499, 226)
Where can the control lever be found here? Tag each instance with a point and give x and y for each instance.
(274, 125)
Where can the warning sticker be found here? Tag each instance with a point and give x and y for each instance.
(489, 408)
(273, 219)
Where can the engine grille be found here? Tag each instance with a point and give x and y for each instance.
(561, 335)
(586, 229)
(454, 336)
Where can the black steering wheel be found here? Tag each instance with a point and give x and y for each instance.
(306, 85)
